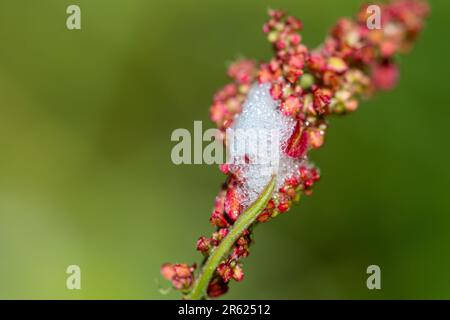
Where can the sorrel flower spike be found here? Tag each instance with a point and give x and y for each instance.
(295, 92)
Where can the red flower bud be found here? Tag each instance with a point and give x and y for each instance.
(316, 137)
(167, 271)
(223, 232)
(264, 216)
(337, 65)
(295, 39)
(321, 100)
(264, 74)
(238, 274)
(276, 91)
(283, 202)
(291, 106)
(181, 275)
(225, 168)
(218, 219)
(385, 76)
(217, 287)
(225, 271)
(203, 244)
(316, 62)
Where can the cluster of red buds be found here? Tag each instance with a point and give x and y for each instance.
(180, 274)
(227, 103)
(353, 63)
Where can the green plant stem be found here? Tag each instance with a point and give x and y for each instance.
(242, 223)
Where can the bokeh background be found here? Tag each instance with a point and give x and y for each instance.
(86, 176)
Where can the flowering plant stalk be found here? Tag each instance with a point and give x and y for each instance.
(296, 91)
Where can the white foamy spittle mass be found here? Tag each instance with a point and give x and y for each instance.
(261, 132)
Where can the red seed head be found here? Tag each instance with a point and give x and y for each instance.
(385, 76)
(203, 244)
(233, 205)
(217, 287)
(298, 142)
(238, 273)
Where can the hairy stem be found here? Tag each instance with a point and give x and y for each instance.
(242, 223)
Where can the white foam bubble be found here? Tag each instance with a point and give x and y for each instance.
(261, 132)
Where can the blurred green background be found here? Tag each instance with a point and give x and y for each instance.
(86, 176)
